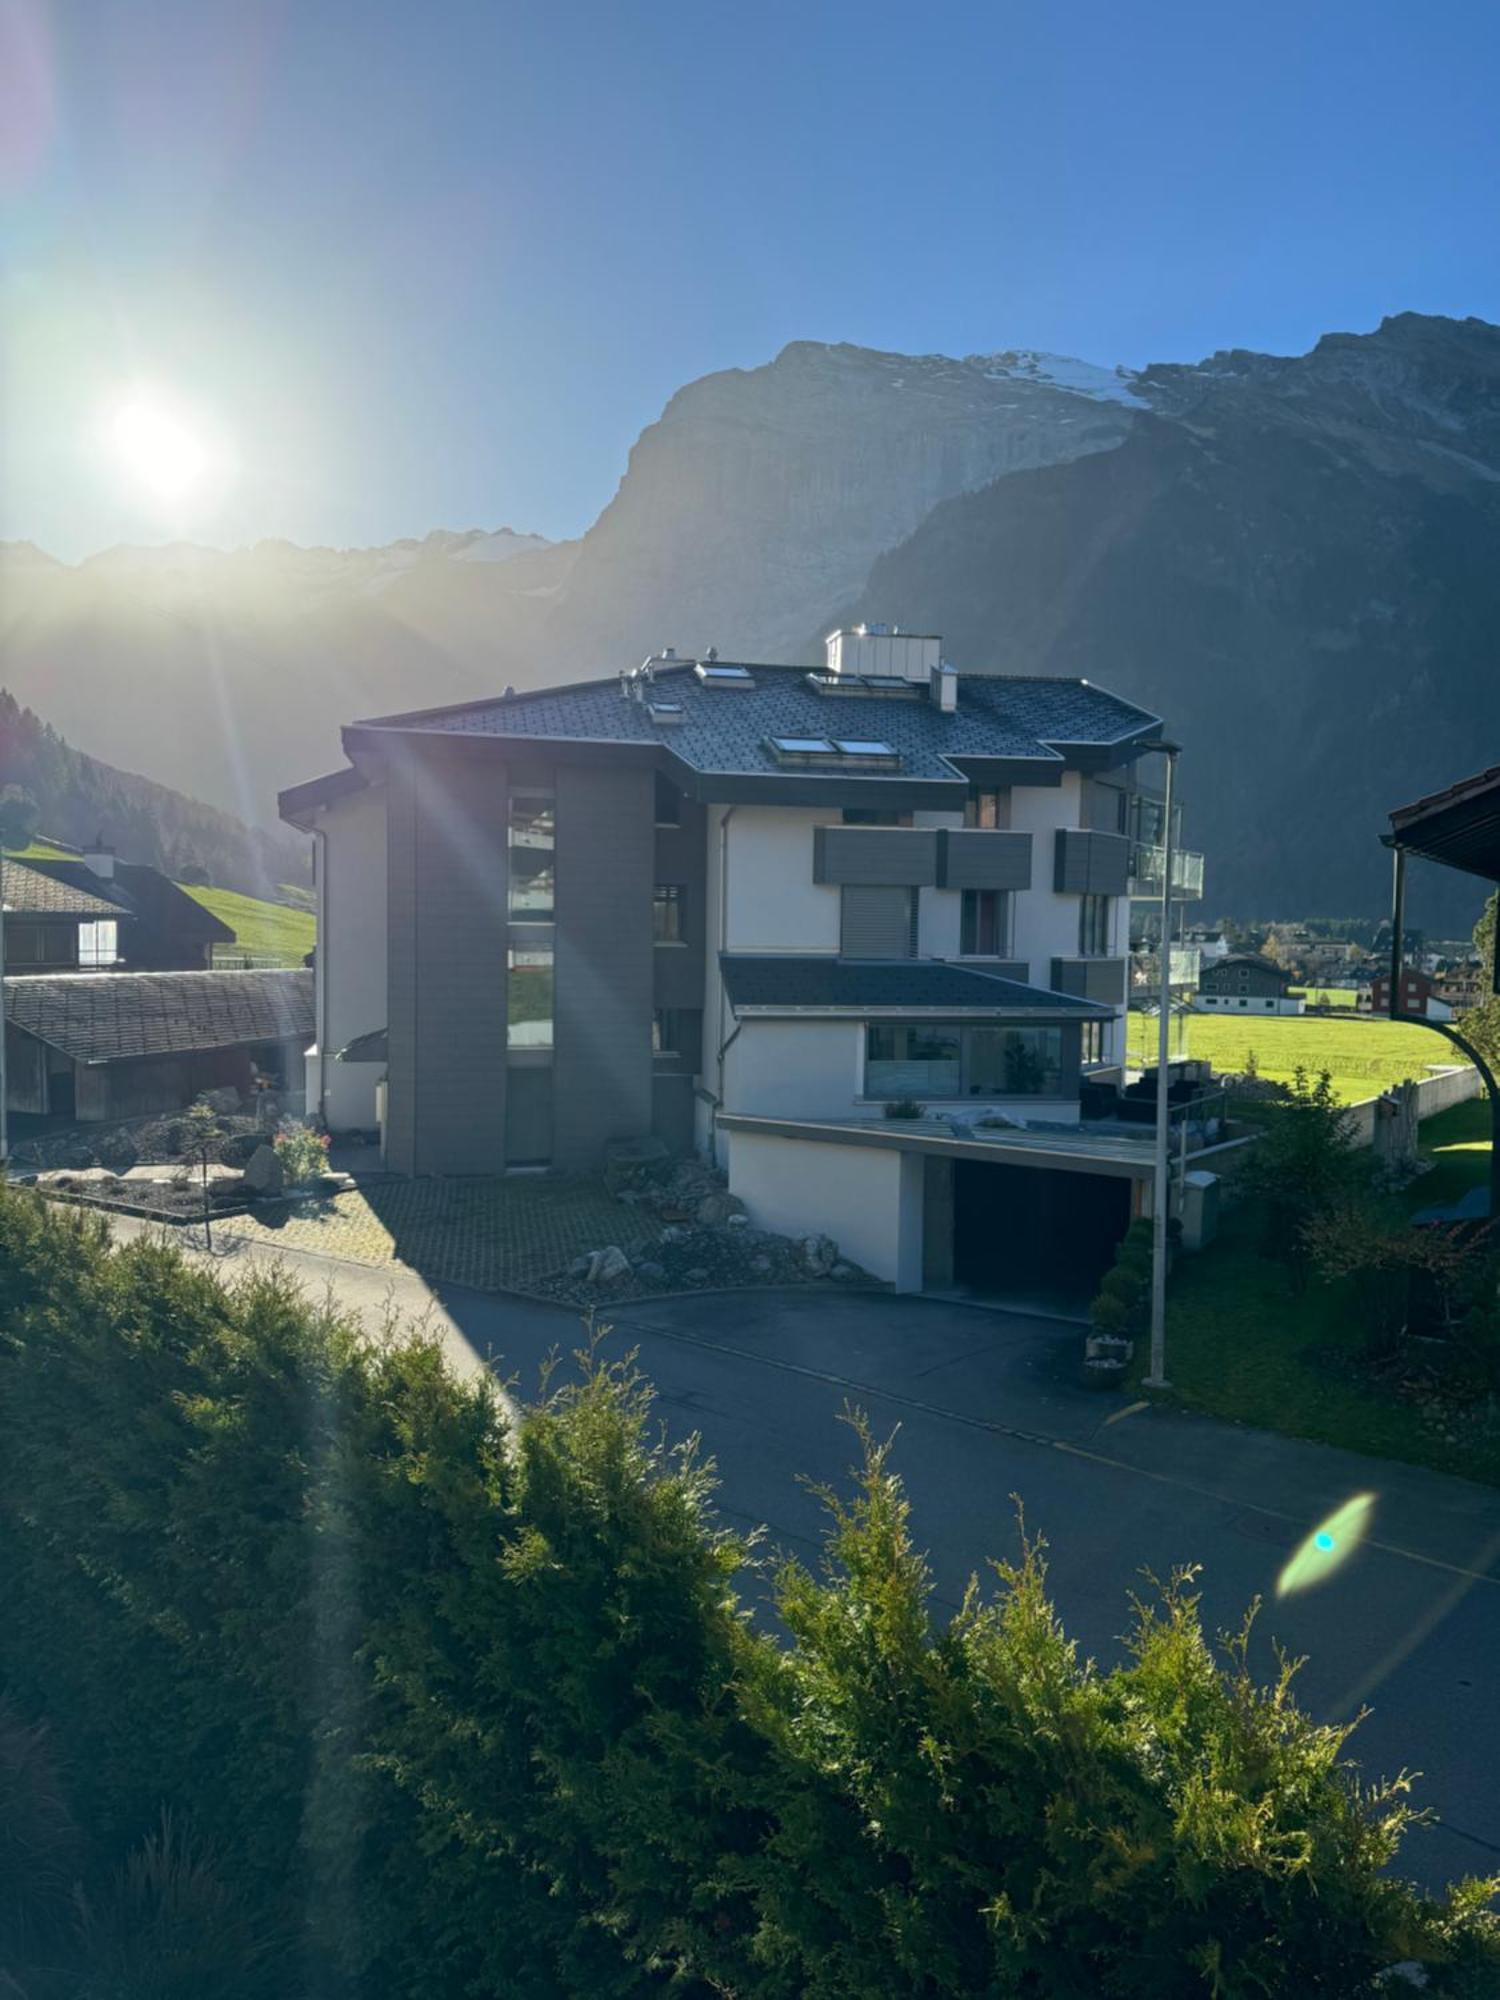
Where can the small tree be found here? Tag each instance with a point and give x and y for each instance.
(1301, 1166)
(204, 1137)
(19, 814)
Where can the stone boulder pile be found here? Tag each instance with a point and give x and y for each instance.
(704, 1241)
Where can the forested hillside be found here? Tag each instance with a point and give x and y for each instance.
(79, 798)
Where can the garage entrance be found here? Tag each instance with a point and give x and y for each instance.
(1035, 1231)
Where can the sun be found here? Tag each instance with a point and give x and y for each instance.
(159, 450)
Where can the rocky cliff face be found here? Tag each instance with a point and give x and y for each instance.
(1292, 558)
(1296, 562)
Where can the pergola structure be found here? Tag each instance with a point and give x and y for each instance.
(1459, 827)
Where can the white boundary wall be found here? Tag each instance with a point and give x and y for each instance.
(867, 1198)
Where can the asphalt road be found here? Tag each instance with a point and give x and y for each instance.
(984, 1408)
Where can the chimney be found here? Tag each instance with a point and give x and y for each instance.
(944, 686)
(884, 651)
(100, 859)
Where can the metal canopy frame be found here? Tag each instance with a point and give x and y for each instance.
(1458, 828)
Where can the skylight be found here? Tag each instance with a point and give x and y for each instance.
(835, 753)
(711, 676)
(664, 711)
(891, 686)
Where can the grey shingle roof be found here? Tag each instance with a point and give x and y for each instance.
(145, 892)
(726, 729)
(109, 1016)
(31, 891)
(863, 985)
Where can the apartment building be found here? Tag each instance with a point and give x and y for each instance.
(744, 907)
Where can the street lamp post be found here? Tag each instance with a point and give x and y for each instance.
(1156, 1376)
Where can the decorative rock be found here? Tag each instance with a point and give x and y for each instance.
(609, 1266)
(737, 1222)
(264, 1177)
(819, 1254)
(648, 1273)
(843, 1273)
(117, 1151)
(695, 1277)
(579, 1268)
(718, 1208)
(240, 1148)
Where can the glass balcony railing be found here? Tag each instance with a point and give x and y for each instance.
(1146, 867)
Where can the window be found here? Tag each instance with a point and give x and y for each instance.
(925, 1062)
(666, 913)
(988, 808)
(97, 944)
(1092, 1049)
(984, 925)
(873, 816)
(1013, 1062)
(668, 802)
(834, 753)
(1094, 913)
(877, 922)
(531, 843)
(528, 996)
(668, 1036)
(912, 1062)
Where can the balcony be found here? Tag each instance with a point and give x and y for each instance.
(1146, 867)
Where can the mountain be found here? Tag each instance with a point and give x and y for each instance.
(1297, 562)
(1292, 558)
(80, 799)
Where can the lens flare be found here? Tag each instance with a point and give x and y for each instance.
(1329, 1545)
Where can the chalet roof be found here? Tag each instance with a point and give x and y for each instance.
(140, 890)
(34, 889)
(784, 981)
(98, 1017)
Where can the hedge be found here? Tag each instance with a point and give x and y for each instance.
(338, 1659)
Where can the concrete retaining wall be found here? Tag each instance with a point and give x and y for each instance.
(1431, 1094)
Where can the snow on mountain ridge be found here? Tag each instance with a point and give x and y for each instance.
(1061, 371)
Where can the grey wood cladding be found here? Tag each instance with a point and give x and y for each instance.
(886, 856)
(1089, 863)
(984, 858)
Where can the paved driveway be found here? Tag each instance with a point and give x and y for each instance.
(1409, 1626)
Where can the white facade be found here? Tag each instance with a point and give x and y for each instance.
(1247, 1003)
(350, 860)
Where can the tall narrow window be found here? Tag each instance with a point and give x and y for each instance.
(1093, 926)
(984, 927)
(1093, 1042)
(528, 996)
(666, 913)
(988, 808)
(532, 844)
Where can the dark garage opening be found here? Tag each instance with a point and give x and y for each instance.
(1035, 1231)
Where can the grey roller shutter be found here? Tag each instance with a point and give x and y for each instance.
(877, 922)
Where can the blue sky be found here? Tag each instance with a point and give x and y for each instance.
(438, 265)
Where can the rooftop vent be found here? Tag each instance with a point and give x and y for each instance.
(664, 712)
(726, 677)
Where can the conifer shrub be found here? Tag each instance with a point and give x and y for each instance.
(441, 1700)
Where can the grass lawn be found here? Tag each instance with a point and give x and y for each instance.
(1329, 996)
(270, 929)
(1362, 1056)
(1244, 1343)
(42, 850)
